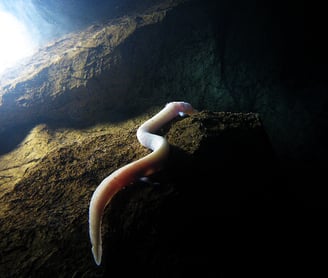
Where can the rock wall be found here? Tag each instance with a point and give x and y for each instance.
(72, 78)
(214, 54)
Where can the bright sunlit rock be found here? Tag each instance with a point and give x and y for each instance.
(15, 42)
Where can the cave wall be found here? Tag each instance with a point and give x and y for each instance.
(237, 56)
(241, 56)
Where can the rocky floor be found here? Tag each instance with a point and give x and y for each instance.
(44, 199)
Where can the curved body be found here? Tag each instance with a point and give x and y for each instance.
(143, 167)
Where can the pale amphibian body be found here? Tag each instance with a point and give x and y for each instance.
(127, 174)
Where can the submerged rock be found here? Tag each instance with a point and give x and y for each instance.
(148, 225)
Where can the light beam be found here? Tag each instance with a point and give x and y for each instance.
(15, 41)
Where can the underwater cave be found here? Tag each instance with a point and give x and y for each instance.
(243, 189)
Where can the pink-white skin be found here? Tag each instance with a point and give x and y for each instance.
(145, 166)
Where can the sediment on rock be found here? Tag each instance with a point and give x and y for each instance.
(44, 217)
